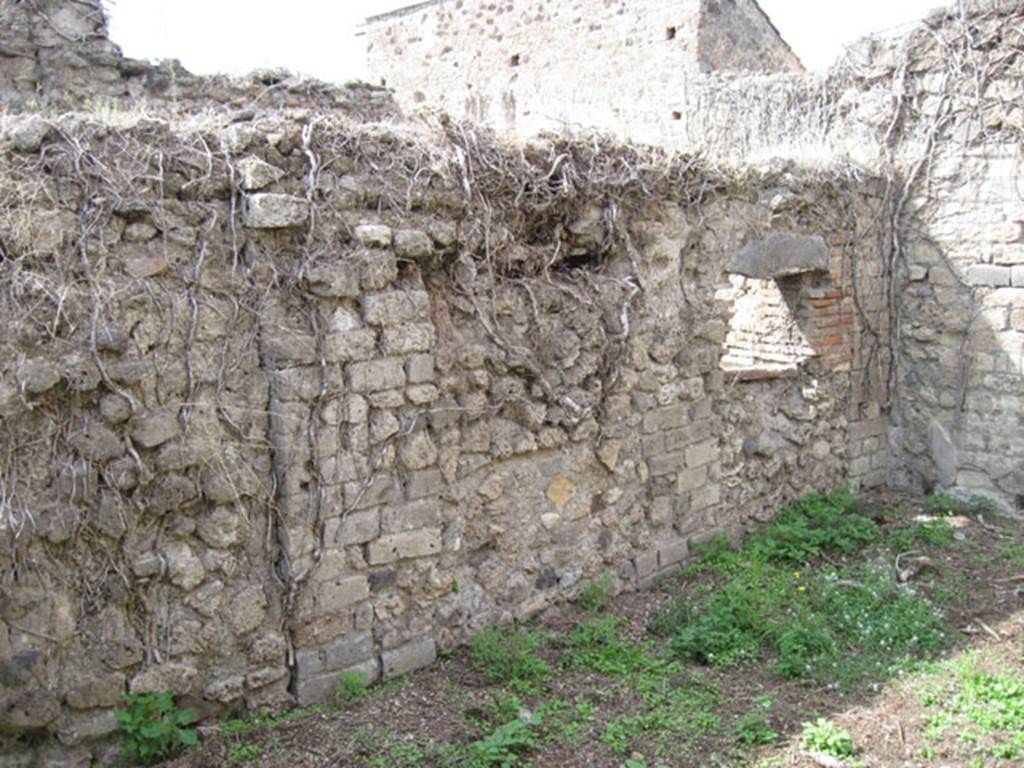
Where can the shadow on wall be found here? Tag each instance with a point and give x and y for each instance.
(961, 377)
(787, 306)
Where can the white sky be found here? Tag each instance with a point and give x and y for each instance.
(317, 37)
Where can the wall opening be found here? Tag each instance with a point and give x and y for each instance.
(514, 61)
(764, 339)
(677, 115)
(670, 33)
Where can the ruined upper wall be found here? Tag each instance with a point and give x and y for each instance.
(55, 55)
(737, 36)
(508, 64)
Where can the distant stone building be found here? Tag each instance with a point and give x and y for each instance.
(522, 65)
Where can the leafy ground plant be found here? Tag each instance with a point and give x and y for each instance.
(784, 597)
(822, 735)
(509, 657)
(154, 727)
(596, 594)
(985, 707)
(351, 686)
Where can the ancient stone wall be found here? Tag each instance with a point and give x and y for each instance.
(505, 64)
(960, 284)
(287, 397)
(285, 393)
(737, 36)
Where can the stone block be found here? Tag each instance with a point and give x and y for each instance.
(269, 210)
(155, 429)
(407, 338)
(646, 563)
(349, 346)
(77, 727)
(705, 497)
(27, 710)
(115, 409)
(176, 678)
(376, 375)
(169, 493)
(284, 348)
(666, 418)
(28, 135)
(353, 528)
(382, 489)
(701, 409)
(678, 439)
(321, 689)
(781, 255)
(653, 445)
(403, 546)
(342, 653)
(103, 690)
(413, 244)
(219, 528)
(247, 609)
(263, 676)
(332, 587)
(408, 658)
(869, 428)
(426, 482)
(417, 451)
(315, 631)
(691, 479)
(226, 689)
(416, 515)
(420, 368)
(701, 453)
(1017, 317)
(339, 279)
(96, 442)
(185, 569)
(396, 307)
(422, 394)
(988, 275)
(662, 510)
(373, 235)
(255, 174)
(672, 552)
(1017, 276)
(665, 465)
(36, 378)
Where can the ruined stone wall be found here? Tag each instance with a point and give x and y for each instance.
(737, 36)
(55, 56)
(287, 397)
(960, 285)
(506, 64)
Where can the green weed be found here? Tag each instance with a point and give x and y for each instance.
(1012, 555)
(351, 686)
(510, 658)
(503, 747)
(941, 505)
(596, 594)
(596, 646)
(987, 708)
(823, 735)
(839, 624)
(239, 754)
(154, 727)
(754, 728)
